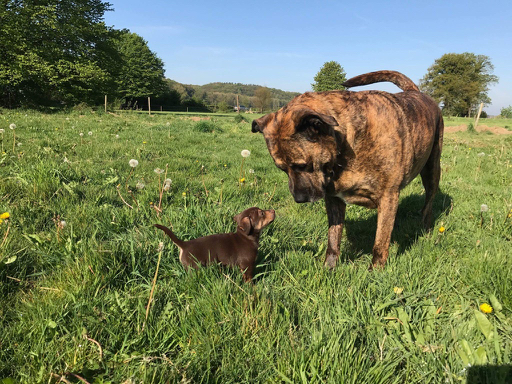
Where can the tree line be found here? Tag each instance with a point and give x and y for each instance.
(459, 82)
(58, 53)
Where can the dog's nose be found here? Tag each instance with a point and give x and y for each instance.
(301, 197)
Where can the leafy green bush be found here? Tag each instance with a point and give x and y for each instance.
(506, 112)
(206, 127)
(239, 118)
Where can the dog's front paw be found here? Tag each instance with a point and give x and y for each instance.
(330, 260)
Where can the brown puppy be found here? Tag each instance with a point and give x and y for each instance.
(358, 148)
(239, 248)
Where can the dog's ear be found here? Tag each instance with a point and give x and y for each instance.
(313, 124)
(259, 125)
(245, 225)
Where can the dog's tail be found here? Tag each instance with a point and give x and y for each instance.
(400, 80)
(169, 233)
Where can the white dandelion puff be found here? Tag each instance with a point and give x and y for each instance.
(2, 131)
(140, 186)
(167, 184)
(245, 153)
(251, 171)
(158, 171)
(90, 133)
(133, 163)
(484, 208)
(12, 126)
(81, 134)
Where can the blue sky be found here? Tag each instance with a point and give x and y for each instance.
(283, 44)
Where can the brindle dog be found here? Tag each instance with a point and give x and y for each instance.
(358, 148)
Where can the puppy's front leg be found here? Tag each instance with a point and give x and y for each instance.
(386, 213)
(336, 217)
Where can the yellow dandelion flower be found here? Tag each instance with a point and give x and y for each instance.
(144, 142)
(442, 229)
(1, 221)
(398, 290)
(242, 180)
(4, 215)
(184, 194)
(485, 308)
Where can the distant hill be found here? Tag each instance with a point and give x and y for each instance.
(215, 93)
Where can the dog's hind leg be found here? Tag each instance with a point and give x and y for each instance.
(430, 176)
(336, 217)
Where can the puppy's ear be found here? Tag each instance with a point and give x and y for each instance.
(313, 124)
(245, 225)
(259, 125)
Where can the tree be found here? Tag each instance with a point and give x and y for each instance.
(459, 82)
(53, 51)
(506, 112)
(141, 72)
(262, 97)
(330, 77)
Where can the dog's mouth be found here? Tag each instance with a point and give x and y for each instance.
(308, 196)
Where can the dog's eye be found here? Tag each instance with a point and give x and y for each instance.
(299, 167)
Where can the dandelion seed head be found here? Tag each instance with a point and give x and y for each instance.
(167, 184)
(245, 153)
(481, 154)
(81, 134)
(251, 171)
(140, 185)
(62, 224)
(158, 171)
(160, 246)
(484, 208)
(12, 126)
(133, 163)
(90, 133)
(117, 136)
(19, 144)
(2, 131)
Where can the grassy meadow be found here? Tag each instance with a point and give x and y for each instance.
(79, 255)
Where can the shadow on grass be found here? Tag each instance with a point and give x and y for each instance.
(490, 374)
(360, 233)
(407, 229)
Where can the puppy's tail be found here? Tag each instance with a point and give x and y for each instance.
(169, 233)
(400, 80)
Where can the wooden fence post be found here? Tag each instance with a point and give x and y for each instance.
(105, 103)
(478, 116)
(149, 105)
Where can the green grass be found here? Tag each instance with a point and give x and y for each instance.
(490, 122)
(73, 299)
